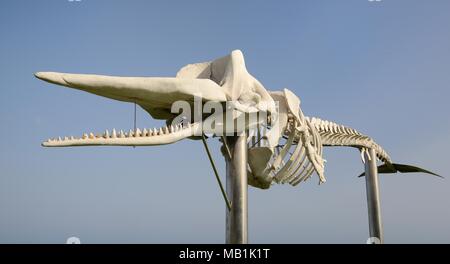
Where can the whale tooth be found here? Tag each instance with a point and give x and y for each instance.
(160, 131)
(91, 135)
(121, 134)
(66, 138)
(166, 130)
(171, 129)
(138, 132)
(59, 139)
(84, 136)
(130, 133)
(113, 134)
(106, 135)
(72, 138)
(144, 132)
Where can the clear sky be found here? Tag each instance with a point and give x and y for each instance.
(380, 67)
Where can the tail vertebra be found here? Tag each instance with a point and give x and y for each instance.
(333, 134)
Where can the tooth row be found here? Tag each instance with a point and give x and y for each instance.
(138, 133)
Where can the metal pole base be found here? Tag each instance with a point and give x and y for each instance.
(236, 185)
(373, 198)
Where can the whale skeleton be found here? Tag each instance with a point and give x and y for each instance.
(286, 147)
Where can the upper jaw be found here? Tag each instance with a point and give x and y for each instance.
(221, 80)
(152, 93)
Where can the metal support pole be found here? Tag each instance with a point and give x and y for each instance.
(236, 184)
(373, 196)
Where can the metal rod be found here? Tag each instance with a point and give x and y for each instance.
(135, 126)
(237, 218)
(224, 194)
(225, 143)
(373, 197)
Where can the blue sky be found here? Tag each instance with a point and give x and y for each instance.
(380, 67)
